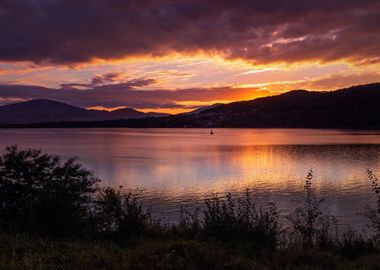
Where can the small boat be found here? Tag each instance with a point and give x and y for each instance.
(211, 132)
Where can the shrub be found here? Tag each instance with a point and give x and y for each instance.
(229, 219)
(120, 214)
(41, 194)
(373, 214)
(189, 226)
(310, 225)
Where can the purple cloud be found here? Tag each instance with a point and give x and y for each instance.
(117, 79)
(123, 94)
(260, 31)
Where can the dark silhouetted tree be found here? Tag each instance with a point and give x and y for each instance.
(39, 193)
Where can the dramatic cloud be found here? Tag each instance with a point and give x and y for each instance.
(129, 93)
(103, 53)
(125, 94)
(117, 79)
(260, 31)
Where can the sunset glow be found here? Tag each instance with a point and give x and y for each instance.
(176, 65)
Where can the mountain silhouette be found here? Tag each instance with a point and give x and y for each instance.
(356, 107)
(44, 110)
(201, 109)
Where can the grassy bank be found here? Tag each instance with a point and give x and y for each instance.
(55, 215)
(23, 252)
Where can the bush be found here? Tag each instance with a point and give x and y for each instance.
(41, 194)
(373, 214)
(310, 225)
(120, 214)
(190, 225)
(238, 219)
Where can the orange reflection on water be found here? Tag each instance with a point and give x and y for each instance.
(183, 166)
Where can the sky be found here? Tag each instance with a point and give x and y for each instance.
(175, 56)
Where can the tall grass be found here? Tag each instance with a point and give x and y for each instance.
(310, 224)
(229, 219)
(373, 213)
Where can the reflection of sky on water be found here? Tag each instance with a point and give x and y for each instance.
(182, 166)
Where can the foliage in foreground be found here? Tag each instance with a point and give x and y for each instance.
(25, 252)
(74, 223)
(310, 225)
(373, 214)
(41, 194)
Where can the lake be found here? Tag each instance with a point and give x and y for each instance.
(180, 167)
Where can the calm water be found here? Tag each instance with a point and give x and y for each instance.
(178, 167)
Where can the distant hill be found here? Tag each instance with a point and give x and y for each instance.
(357, 107)
(201, 109)
(43, 110)
(128, 113)
(354, 107)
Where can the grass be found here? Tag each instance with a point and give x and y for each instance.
(26, 252)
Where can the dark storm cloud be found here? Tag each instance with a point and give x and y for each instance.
(73, 31)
